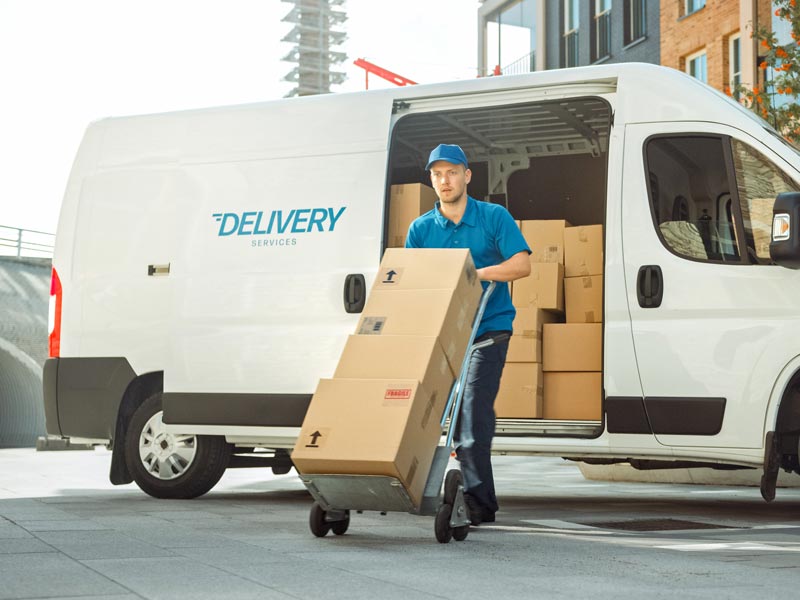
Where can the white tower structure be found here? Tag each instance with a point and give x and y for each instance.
(315, 38)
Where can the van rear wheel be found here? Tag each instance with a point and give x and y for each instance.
(166, 465)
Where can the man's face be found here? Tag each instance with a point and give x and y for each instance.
(450, 181)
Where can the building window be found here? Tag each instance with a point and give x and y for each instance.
(697, 67)
(635, 20)
(601, 29)
(570, 37)
(735, 63)
(511, 37)
(694, 5)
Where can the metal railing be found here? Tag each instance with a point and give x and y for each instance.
(25, 242)
(570, 41)
(526, 64)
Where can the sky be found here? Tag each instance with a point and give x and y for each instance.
(65, 63)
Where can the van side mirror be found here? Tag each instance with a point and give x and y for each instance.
(784, 247)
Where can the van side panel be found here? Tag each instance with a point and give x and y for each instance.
(276, 227)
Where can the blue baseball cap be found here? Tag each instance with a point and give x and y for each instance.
(449, 153)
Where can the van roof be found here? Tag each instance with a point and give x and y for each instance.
(638, 92)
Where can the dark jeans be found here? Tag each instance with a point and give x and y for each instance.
(476, 424)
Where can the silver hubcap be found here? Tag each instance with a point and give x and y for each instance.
(165, 455)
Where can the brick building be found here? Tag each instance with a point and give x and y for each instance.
(711, 39)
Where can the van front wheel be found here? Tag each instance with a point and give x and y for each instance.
(167, 465)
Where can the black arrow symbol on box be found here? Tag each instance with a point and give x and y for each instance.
(389, 276)
(314, 437)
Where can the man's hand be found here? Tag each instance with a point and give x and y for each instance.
(516, 267)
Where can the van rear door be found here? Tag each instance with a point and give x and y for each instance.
(288, 217)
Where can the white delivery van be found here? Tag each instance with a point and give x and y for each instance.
(210, 264)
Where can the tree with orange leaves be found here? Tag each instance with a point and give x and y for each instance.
(776, 100)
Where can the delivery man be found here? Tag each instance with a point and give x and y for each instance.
(500, 254)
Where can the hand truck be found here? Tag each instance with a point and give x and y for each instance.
(336, 495)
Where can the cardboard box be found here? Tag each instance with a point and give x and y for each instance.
(406, 203)
(439, 313)
(573, 396)
(543, 288)
(583, 251)
(546, 239)
(396, 357)
(371, 427)
(572, 347)
(583, 298)
(520, 393)
(429, 269)
(526, 343)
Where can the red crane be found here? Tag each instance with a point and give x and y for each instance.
(381, 72)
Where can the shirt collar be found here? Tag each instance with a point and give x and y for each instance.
(469, 218)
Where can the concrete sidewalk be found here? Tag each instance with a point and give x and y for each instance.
(65, 532)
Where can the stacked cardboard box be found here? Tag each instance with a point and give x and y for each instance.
(380, 414)
(572, 360)
(521, 387)
(544, 287)
(572, 363)
(583, 272)
(534, 297)
(407, 202)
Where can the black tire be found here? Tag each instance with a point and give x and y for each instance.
(451, 482)
(211, 455)
(460, 533)
(316, 521)
(340, 527)
(441, 525)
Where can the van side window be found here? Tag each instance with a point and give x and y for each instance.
(758, 182)
(689, 197)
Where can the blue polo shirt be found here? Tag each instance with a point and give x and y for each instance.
(492, 236)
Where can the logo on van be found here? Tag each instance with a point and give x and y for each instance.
(280, 222)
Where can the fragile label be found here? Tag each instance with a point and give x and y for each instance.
(396, 396)
(371, 325)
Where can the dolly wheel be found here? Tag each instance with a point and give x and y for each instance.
(316, 521)
(340, 527)
(451, 482)
(460, 533)
(441, 526)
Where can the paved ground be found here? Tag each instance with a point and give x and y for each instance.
(66, 533)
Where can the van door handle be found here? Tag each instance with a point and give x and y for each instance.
(355, 293)
(157, 270)
(650, 286)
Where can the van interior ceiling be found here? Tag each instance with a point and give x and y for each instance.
(542, 160)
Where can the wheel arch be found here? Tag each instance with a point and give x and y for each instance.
(139, 389)
(783, 413)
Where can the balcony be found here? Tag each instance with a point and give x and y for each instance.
(526, 64)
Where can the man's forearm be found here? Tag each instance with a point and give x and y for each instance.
(516, 267)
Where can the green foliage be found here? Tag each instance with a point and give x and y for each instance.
(784, 63)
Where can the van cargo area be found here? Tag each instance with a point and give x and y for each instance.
(543, 161)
